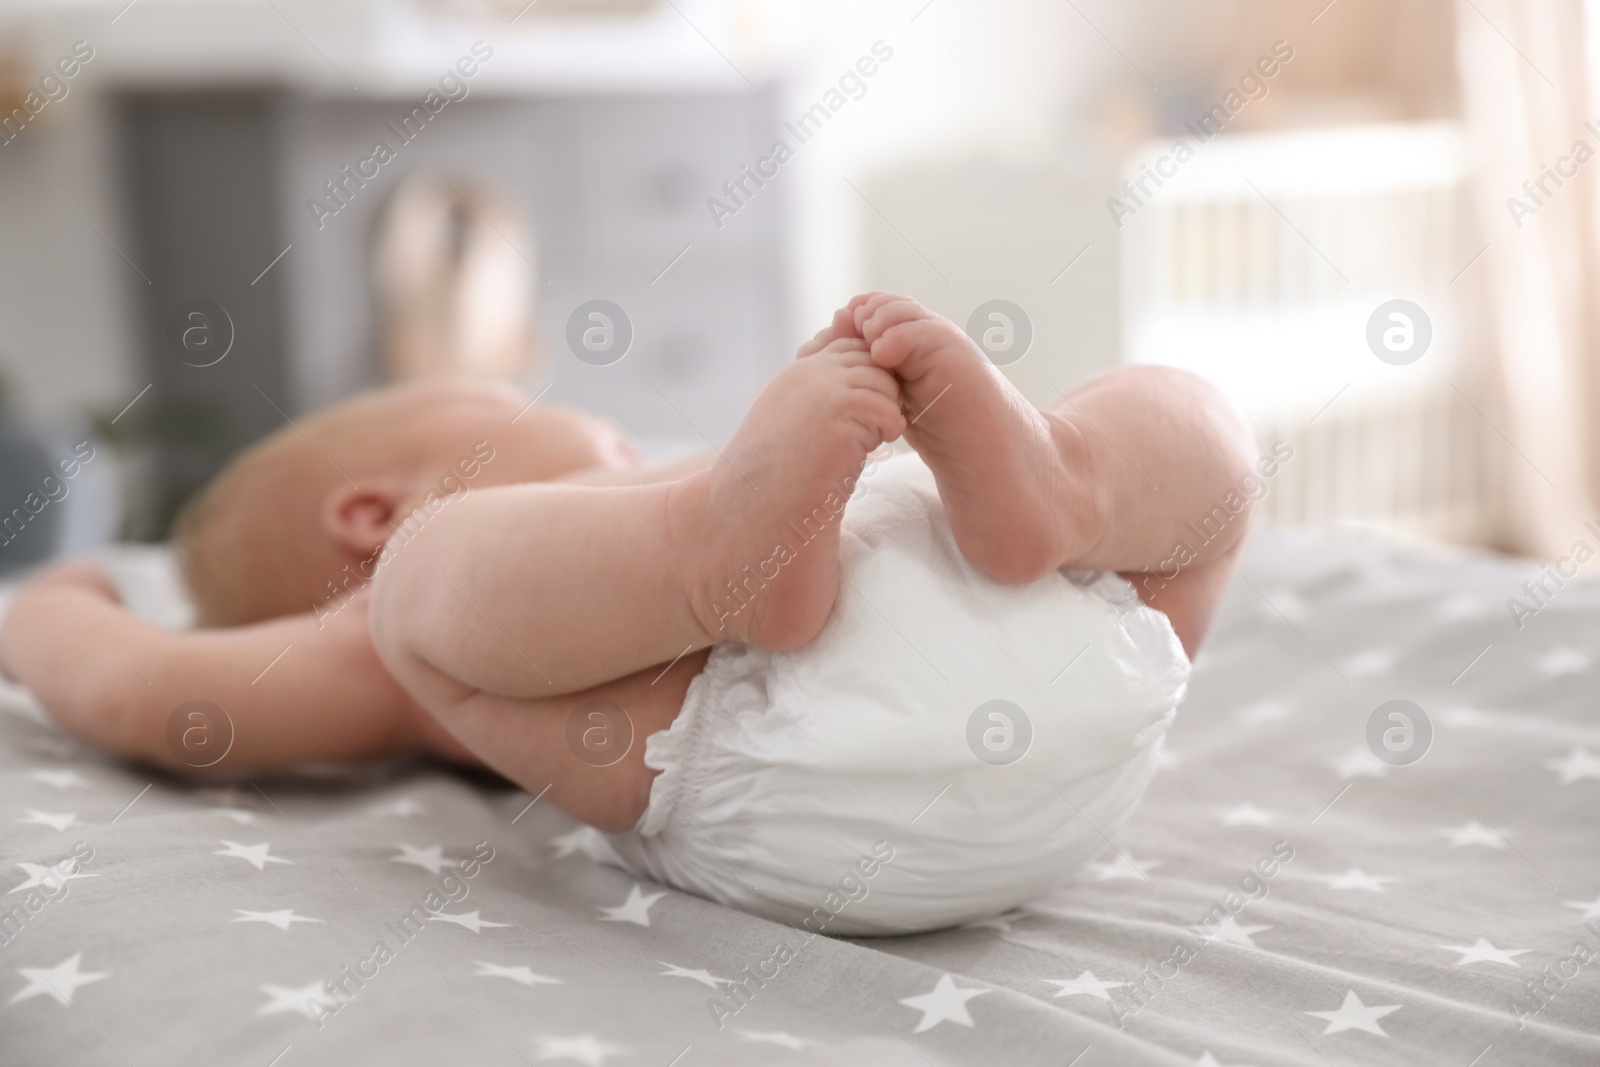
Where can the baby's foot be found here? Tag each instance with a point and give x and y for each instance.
(759, 531)
(1013, 479)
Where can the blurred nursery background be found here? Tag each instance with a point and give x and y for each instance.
(201, 237)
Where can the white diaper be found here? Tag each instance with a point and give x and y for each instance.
(855, 786)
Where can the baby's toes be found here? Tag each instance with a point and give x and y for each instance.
(866, 307)
(842, 326)
(873, 402)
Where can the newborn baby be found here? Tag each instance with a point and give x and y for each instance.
(777, 683)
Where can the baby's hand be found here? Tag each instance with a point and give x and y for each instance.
(79, 574)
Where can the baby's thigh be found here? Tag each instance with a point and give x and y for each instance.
(586, 748)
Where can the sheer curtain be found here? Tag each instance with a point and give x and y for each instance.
(1525, 90)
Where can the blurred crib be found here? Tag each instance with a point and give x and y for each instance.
(1258, 265)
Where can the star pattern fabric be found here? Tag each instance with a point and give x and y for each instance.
(1590, 908)
(1354, 1015)
(258, 856)
(1360, 763)
(1481, 951)
(568, 844)
(283, 919)
(431, 859)
(521, 974)
(1122, 866)
(467, 919)
(586, 1049)
(945, 1003)
(51, 877)
(636, 909)
(403, 808)
(61, 779)
(1564, 660)
(1085, 985)
(1474, 832)
(1230, 932)
(1576, 766)
(704, 977)
(1246, 815)
(298, 999)
(774, 1037)
(57, 821)
(58, 983)
(1356, 878)
(1405, 922)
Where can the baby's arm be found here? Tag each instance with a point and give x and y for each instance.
(114, 679)
(670, 471)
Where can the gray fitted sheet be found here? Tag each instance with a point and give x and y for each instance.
(1419, 903)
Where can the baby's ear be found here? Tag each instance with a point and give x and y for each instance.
(360, 518)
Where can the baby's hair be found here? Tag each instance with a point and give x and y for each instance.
(225, 548)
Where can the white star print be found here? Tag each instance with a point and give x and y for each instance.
(1229, 932)
(54, 747)
(1123, 867)
(57, 821)
(1264, 711)
(403, 808)
(705, 978)
(1246, 815)
(1285, 601)
(257, 856)
(469, 919)
(946, 1003)
(568, 843)
(1360, 763)
(1563, 659)
(775, 1037)
(238, 815)
(517, 974)
(1356, 878)
(1575, 766)
(61, 779)
(54, 876)
(1372, 661)
(584, 1048)
(1169, 756)
(59, 982)
(1085, 985)
(1463, 606)
(1483, 952)
(1590, 909)
(285, 998)
(281, 919)
(636, 909)
(1469, 717)
(430, 859)
(1474, 833)
(1354, 1015)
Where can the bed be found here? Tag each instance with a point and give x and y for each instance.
(1441, 911)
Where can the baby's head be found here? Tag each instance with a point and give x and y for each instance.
(274, 532)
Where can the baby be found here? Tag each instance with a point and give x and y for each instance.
(445, 568)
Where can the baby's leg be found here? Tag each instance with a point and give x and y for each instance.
(537, 744)
(1114, 476)
(538, 590)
